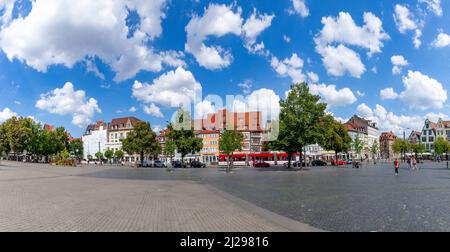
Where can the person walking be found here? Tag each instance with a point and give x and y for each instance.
(414, 164)
(396, 166)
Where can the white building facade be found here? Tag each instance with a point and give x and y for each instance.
(95, 139)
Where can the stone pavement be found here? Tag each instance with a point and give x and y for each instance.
(36, 197)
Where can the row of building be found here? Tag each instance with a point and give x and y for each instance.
(430, 132)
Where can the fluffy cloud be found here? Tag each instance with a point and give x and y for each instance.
(253, 27)
(332, 96)
(433, 5)
(153, 110)
(6, 114)
(220, 20)
(172, 89)
(266, 101)
(341, 60)
(67, 101)
(388, 121)
(442, 40)
(388, 94)
(132, 109)
(405, 21)
(291, 67)
(422, 92)
(202, 109)
(300, 8)
(398, 63)
(7, 7)
(52, 35)
(342, 30)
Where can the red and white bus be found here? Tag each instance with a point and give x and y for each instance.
(243, 159)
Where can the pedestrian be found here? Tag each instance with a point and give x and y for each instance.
(396, 166)
(414, 164)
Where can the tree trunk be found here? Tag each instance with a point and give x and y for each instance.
(142, 159)
(289, 160)
(232, 162)
(301, 158)
(182, 160)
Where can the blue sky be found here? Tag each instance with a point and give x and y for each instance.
(121, 54)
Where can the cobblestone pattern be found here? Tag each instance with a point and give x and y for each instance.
(40, 198)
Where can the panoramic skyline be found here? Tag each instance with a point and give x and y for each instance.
(71, 63)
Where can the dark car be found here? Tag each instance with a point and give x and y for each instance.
(260, 164)
(197, 164)
(178, 164)
(318, 163)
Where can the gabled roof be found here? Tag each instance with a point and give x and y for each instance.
(124, 120)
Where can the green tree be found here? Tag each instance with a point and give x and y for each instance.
(230, 141)
(170, 146)
(76, 148)
(358, 146)
(335, 136)
(18, 134)
(4, 146)
(109, 154)
(99, 156)
(184, 135)
(141, 140)
(400, 146)
(299, 117)
(441, 146)
(64, 154)
(375, 149)
(90, 157)
(119, 155)
(417, 148)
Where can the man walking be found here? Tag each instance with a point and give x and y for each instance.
(414, 164)
(396, 166)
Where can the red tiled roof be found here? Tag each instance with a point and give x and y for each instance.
(124, 120)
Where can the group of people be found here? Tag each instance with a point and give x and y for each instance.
(412, 165)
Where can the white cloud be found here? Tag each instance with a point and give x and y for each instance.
(313, 77)
(253, 27)
(433, 5)
(388, 94)
(337, 32)
(67, 101)
(300, 8)
(6, 114)
(287, 39)
(7, 6)
(153, 110)
(220, 20)
(398, 62)
(360, 94)
(388, 121)
(340, 60)
(266, 101)
(172, 89)
(246, 86)
(343, 29)
(442, 40)
(202, 109)
(332, 96)
(422, 92)
(132, 109)
(52, 35)
(405, 21)
(291, 67)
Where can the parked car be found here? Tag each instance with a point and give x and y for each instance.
(178, 164)
(319, 163)
(146, 163)
(260, 164)
(159, 164)
(197, 164)
(350, 161)
(338, 162)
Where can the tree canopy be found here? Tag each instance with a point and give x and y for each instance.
(335, 136)
(141, 140)
(299, 123)
(184, 136)
(230, 141)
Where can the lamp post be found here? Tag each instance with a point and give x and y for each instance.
(404, 142)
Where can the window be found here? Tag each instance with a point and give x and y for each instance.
(431, 139)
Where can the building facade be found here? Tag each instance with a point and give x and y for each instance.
(428, 137)
(443, 129)
(210, 152)
(386, 142)
(365, 130)
(95, 139)
(117, 131)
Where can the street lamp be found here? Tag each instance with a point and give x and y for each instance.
(404, 142)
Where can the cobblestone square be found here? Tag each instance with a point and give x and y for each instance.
(106, 198)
